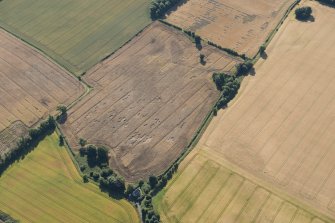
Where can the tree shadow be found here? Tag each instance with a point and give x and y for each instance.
(61, 119)
(252, 72)
(326, 4)
(309, 19)
(264, 55)
(174, 8)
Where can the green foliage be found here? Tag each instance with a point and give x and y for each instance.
(91, 155)
(227, 50)
(328, 2)
(62, 109)
(244, 68)
(102, 155)
(159, 8)
(262, 49)
(228, 85)
(61, 140)
(85, 178)
(303, 13)
(114, 185)
(82, 142)
(7, 218)
(153, 181)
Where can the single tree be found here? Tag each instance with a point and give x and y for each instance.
(303, 13)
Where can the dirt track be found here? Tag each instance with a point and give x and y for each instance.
(31, 87)
(235, 24)
(148, 100)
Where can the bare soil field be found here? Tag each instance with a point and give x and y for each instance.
(31, 87)
(241, 25)
(148, 100)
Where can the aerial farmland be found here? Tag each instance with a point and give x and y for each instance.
(167, 111)
(47, 180)
(31, 88)
(238, 25)
(278, 134)
(76, 34)
(136, 97)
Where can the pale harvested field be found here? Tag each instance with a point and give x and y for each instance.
(76, 33)
(148, 100)
(282, 127)
(242, 25)
(205, 191)
(31, 87)
(279, 132)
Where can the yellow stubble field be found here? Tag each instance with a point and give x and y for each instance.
(270, 156)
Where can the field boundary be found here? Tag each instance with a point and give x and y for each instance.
(285, 198)
(275, 30)
(228, 51)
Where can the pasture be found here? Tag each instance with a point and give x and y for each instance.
(46, 187)
(31, 88)
(205, 190)
(75, 33)
(279, 132)
(148, 100)
(241, 25)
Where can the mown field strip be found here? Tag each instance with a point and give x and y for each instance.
(205, 191)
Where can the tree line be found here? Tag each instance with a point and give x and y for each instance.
(229, 84)
(159, 8)
(328, 2)
(27, 144)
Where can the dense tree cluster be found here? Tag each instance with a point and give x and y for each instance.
(303, 13)
(150, 189)
(328, 2)
(26, 144)
(228, 85)
(159, 8)
(244, 68)
(112, 183)
(95, 156)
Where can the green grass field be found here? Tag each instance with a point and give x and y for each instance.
(46, 187)
(75, 33)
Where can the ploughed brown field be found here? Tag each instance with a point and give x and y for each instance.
(241, 25)
(148, 100)
(31, 87)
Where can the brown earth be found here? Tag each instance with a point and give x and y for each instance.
(241, 25)
(31, 87)
(281, 129)
(148, 100)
